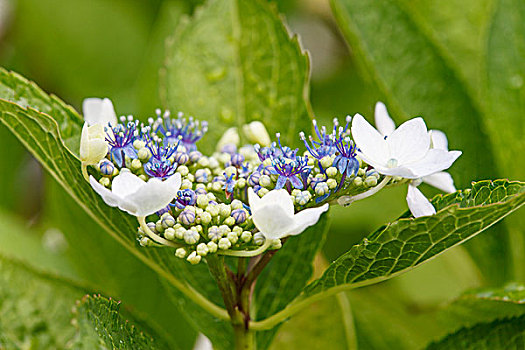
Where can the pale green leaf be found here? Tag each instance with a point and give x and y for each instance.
(408, 242)
(500, 334)
(235, 62)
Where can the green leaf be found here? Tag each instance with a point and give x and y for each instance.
(414, 61)
(235, 62)
(35, 308)
(274, 288)
(96, 314)
(500, 334)
(408, 242)
(41, 135)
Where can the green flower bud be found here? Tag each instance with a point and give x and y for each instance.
(202, 200)
(144, 154)
(276, 244)
(236, 204)
(167, 220)
(169, 233)
(138, 144)
(371, 181)
(295, 192)
(361, 172)
(194, 258)
(186, 184)
(212, 247)
(204, 162)
(332, 183)
(263, 191)
(136, 164)
(326, 162)
(229, 221)
(231, 170)
(180, 253)
(258, 238)
(358, 181)
(224, 210)
(321, 189)
(115, 172)
(191, 236)
(180, 232)
(213, 210)
(214, 163)
(224, 230)
(202, 249)
(214, 234)
(145, 241)
(237, 230)
(216, 186)
(205, 218)
(143, 177)
(198, 228)
(267, 162)
(232, 237)
(224, 243)
(211, 196)
(265, 181)
(183, 170)
(106, 182)
(241, 183)
(159, 227)
(331, 171)
(246, 236)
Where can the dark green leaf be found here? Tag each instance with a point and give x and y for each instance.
(235, 62)
(408, 242)
(35, 309)
(500, 334)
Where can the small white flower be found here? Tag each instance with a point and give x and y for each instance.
(97, 114)
(274, 217)
(256, 133)
(135, 196)
(418, 204)
(386, 126)
(405, 152)
(202, 343)
(99, 111)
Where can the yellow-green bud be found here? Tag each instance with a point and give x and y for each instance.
(213, 209)
(361, 172)
(204, 162)
(326, 162)
(205, 218)
(265, 181)
(169, 233)
(332, 183)
(180, 253)
(232, 237)
(224, 210)
(191, 236)
(180, 232)
(237, 230)
(202, 200)
(246, 236)
(144, 154)
(276, 244)
(224, 243)
(106, 182)
(229, 221)
(267, 162)
(202, 249)
(212, 247)
(236, 204)
(258, 238)
(211, 196)
(145, 241)
(262, 192)
(371, 181)
(143, 177)
(194, 258)
(183, 170)
(229, 171)
(331, 171)
(186, 184)
(216, 187)
(138, 144)
(136, 164)
(159, 227)
(241, 183)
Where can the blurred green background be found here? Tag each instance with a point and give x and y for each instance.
(84, 48)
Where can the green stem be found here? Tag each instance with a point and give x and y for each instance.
(348, 321)
(347, 200)
(84, 171)
(247, 253)
(227, 288)
(244, 338)
(153, 236)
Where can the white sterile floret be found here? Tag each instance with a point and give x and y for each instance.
(230, 137)
(418, 204)
(256, 133)
(406, 152)
(135, 196)
(99, 111)
(93, 146)
(274, 217)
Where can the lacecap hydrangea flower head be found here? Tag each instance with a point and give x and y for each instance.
(243, 200)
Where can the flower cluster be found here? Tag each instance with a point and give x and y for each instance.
(241, 201)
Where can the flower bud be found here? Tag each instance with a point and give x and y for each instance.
(181, 158)
(191, 236)
(202, 201)
(229, 171)
(138, 144)
(187, 217)
(263, 191)
(361, 172)
(202, 249)
(183, 170)
(371, 181)
(216, 186)
(258, 238)
(224, 230)
(106, 182)
(180, 232)
(205, 218)
(158, 226)
(256, 133)
(232, 237)
(106, 167)
(332, 183)
(186, 185)
(241, 183)
(212, 247)
(214, 163)
(145, 241)
(194, 258)
(224, 210)
(265, 181)
(230, 137)
(169, 233)
(276, 244)
(321, 189)
(224, 243)
(214, 234)
(303, 197)
(331, 171)
(358, 181)
(93, 145)
(180, 253)
(167, 221)
(204, 162)
(195, 156)
(326, 162)
(237, 159)
(246, 236)
(213, 209)
(237, 230)
(144, 154)
(236, 204)
(201, 176)
(253, 179)
(229, 221)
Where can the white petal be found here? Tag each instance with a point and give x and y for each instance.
(97, 110)
(253, 199)
(256, 132)
(174, 181)
(272, 221)
(281, 198)
(307, 218)
(439, 139)
(109, 197)
(384, 124)
(97, 149)
(126, 183)
(202, 343)
(418, 204)
(409, 142)
(434, 161)
(442, 181)
(371, 143)
(84, 141)
(402, 171)
(152, 197)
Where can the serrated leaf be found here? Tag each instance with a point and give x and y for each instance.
(408, 242)
(35, 308)
(287, 274)
(412, 51)
(96, 314)
(500, 334)
(40, 134)
(234, 62)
